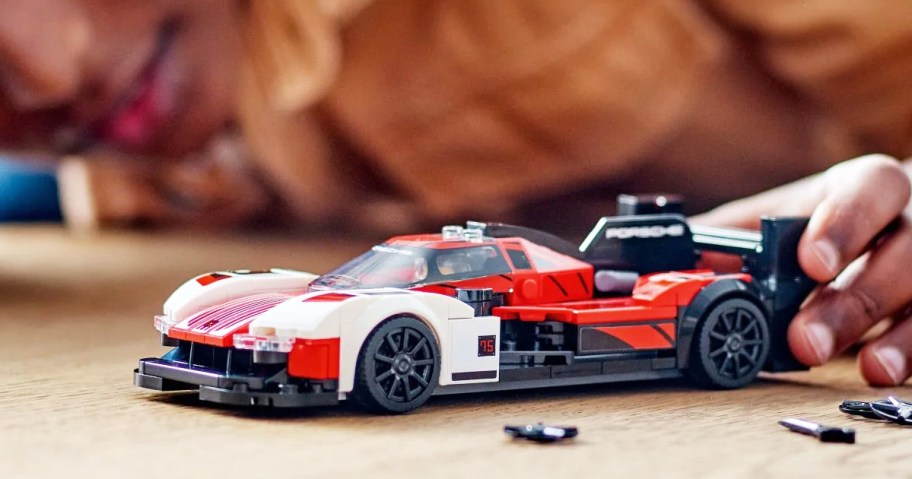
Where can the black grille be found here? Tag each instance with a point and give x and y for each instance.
(227, 361)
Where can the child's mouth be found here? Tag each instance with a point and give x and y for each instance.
(148, 103)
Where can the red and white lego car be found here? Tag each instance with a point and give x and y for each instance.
(487, 307)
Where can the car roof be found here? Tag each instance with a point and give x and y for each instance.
(436, 241)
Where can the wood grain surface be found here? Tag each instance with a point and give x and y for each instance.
(75, 315)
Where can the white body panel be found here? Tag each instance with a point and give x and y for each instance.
(353, 318)
(192, 297)
(466, 354)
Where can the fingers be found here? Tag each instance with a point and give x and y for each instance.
(869, 289)
(860, 198)
(861, 266)
(849, 187)
(885, 361)
(798, 198)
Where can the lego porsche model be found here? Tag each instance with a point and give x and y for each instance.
(489, 307)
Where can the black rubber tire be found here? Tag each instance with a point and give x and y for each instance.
(398, 367)
(731, 344)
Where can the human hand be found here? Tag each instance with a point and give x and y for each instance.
(858, 246)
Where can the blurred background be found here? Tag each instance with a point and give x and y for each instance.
(376, 117)
(28, 192)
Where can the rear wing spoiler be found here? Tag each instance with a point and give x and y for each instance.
(770, 255)
(726, 240)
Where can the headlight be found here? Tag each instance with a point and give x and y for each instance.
(163, 323)
(272, 344)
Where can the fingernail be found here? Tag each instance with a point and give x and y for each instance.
(820, 337)
(893, 362)
(828, 255)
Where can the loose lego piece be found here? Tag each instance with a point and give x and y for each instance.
(824, 433)
(894, 410)
(541, 433)
(858, 408)
(889, 409)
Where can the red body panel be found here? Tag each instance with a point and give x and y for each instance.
(551, 277)
(656, 297)
(668, 328)
(677, 288)
(642, 321)
(207, 279)
(328, 298)
(314, 359)
(220, 341)
(597, 311)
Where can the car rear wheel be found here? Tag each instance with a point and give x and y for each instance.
(398, 367)
(731, 345)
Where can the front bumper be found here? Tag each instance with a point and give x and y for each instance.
(240, 390)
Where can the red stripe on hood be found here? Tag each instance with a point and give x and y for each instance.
(226, 319)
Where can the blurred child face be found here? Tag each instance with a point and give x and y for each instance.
(148, 77)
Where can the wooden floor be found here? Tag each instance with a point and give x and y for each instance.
(76, 314)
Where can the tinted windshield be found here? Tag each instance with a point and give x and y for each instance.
(403, 267)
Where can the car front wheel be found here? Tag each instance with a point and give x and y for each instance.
(398, 367)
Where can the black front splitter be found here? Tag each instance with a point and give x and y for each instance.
(214, 386)
(270, 399)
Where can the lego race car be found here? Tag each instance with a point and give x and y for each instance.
(489, 307)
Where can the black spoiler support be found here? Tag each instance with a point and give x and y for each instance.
(771, 258)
